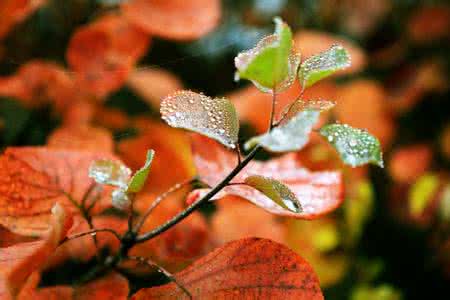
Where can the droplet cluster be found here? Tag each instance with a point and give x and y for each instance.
(333, 59)
(109, 172)
(215, 118)
(355, 146)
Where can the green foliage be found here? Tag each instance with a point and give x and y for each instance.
(382, 292)
(276, 191)
(139, 178)
(270, 65)
(323, 65)
(216, 118)
(355, 146)
(290, 136)
(422, 192)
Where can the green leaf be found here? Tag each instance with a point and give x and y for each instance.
(139, 178)
(422, 193)
(216, 118)
(355, 146)
(289, 136)
(271, 65)
(276, 191)
(109, 172)
(382, 292)
(323, 65)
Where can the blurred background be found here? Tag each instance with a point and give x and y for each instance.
(91, 73)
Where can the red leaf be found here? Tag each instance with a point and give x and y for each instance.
(174, 19)
(244, 269)
(33, 179)
(104, 52)
(15, 11)
(19, 261)
(319, 192)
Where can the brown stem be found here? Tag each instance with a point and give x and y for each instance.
(90, 232)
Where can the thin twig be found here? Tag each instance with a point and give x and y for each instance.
(272, 111)
(162, 270)
(238, 153)
(159, 199)
(90, 232)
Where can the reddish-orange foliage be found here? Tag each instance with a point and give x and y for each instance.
(104, 52)
(20, 260)
(244, 269)
(409, 163)
(87, 138)
(33, 179)
(154, 84)
(39, 82)
(173, 157)
(15, 11)
(318, 192)
(174, 19)
(112, 287)
(428, 24)
(310, 42)
(236, 218)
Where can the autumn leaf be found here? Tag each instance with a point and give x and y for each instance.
(15, 11)
(174, 19)
(81, 138)
(244, 269)
(103, 53)
(429, 23)
(20, 260)
(113, 286)
(33, 179)
(408, 163)
(318, 192)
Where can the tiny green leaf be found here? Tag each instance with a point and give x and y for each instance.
(355, 146)
(323, 65)
(276, 191)
(109, 172)
(271, 65)
(140, 177)
(422, 192)
(216, 118)
(289, 136)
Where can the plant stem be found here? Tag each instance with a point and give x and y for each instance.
(272, 111)
(90, 232)
(178, 218)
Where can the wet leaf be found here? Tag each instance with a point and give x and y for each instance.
(276, 191)
(139, 178)
(318, 192)
(323, 65)
(355, 146)
(270, 65)
(110, 172)
(33, 179)
(245, 269)
(20, 260)
(215, 118)
(174, 19)
(289, 136)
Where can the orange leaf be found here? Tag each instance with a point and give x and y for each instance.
(319, 192)
(112, 286)
(310, 42)
(37, 83)
(82, 138)
(154, 84)
(244, 269)
(409, 163)
(174, 19)
(430, 23)
(104, 52)
(33, 179)
(19, 261)
(15, 11)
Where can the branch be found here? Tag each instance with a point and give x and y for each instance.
(162, 270)
(92, 232)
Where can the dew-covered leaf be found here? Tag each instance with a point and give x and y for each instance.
(109, 172)
(270, 65)
(120, 199)
(355, 146)
(303, 105)
(215, 118)
(250, 268)
(323, 65)
(139, 178)
(289, 136)
(318, 192)
(276, 191)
